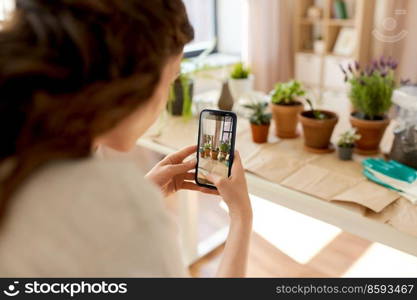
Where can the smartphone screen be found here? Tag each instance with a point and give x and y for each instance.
(216, 142)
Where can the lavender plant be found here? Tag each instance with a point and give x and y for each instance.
(371, 88)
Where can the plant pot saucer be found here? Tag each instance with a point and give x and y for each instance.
(367, 152)
(327, 150)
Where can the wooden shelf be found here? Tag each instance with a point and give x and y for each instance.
(306, 30)
(308, 21)
(341, 22)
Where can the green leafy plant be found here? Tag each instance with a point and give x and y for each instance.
(240, 71)
(348, 138)
(259, 115)
(225, 147)
(189, 68)
(207, 146)
(317, 114)
(186, 83)
(371, 88)
(286, 92)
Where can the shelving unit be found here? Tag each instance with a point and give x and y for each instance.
(320, 71)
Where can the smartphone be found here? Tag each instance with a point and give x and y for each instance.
(216, 145)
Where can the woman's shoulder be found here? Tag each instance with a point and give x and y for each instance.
(84, 213)
(88, 182)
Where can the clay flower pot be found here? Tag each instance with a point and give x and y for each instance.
(241, 87)
(317, 133)
(207, 152)
(214, 154)
(260, 132)
(371, 132)
(286, 119)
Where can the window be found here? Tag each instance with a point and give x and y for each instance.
(202, 15)
(6, 6)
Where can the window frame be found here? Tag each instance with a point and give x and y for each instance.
(201, 47)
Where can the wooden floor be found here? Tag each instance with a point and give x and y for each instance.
(265, 260)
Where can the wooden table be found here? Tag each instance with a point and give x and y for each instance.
(326, 211)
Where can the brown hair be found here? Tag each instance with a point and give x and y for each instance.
(70, 70)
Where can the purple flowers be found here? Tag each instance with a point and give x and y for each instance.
(382, 67)
(357, 66)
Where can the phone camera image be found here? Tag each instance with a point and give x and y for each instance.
(216, 134)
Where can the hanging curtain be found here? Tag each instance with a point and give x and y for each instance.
(395, 34)
(270, 42)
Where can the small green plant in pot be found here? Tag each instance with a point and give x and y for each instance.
(214, 153)
(318, 126)
(241, 81)
(180, 96)
(207, 149)
(371, 90)
(224, 150)
(346, 143)
(260, 121)
(285, 108)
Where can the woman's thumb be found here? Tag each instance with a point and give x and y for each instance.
(214, 178)
(182, 167)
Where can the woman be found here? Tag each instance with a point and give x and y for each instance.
(75, 75)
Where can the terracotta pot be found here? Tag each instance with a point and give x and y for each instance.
(222, 156)
(260, 133)
(371, 134)
(286, 119)
(214, 154)
(317, 133)
(207, 152)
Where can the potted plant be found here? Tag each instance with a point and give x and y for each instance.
(346, 143)
(181, 91)
(319, 45)
(370, 93)
(240, 81)
(259, 121)
(286, 107)
(202, 152)
(207, 148)
(224, 150)
(214, 153)
(180, 96)
(318, 126)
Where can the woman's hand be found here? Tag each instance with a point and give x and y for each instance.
(235, 193)
(234, 190)
(173, 174)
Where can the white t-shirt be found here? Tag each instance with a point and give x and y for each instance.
(89, 218)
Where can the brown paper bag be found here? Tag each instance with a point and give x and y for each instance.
(369, 195)
(275, 162)
(319, 182)
(404, 216)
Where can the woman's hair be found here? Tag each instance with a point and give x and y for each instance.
(70, 70)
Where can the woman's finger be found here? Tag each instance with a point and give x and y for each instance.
(181, 168)
(178, 157)
(237, 166)
(194, 187)
(189, 176)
